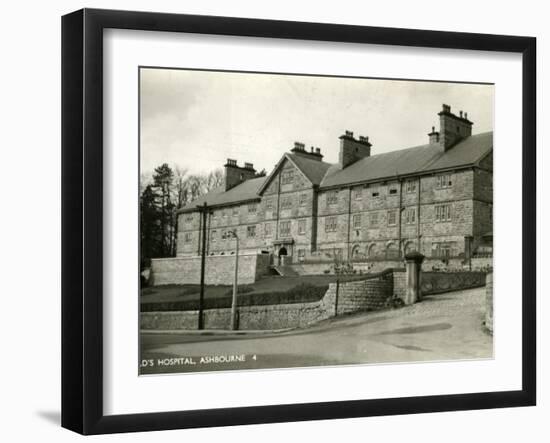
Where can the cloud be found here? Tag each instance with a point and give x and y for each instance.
(197, 119)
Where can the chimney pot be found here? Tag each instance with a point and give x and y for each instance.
(317, 150)
(466, 115)
(349, 134)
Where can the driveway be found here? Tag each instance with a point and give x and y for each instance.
(441, 327)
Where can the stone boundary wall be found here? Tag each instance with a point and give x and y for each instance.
(292, 315)
(362, 295)
(438, 282)
(220, 269)
(369, 294)
(454, 264)
(320, 268)
(400, 283)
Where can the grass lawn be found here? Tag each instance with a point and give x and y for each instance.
(171, 293)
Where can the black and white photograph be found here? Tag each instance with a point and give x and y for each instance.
(294, 221)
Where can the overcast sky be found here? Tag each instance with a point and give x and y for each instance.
(198, 119)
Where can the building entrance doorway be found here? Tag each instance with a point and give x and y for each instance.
(282, 255)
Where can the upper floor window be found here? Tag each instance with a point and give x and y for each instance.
(268, 230)
(301, 227)
(284, 228)
(287, 177)
(410, 216)
(303, 199)
(286, 202)
(252, 208)
(357, 221)
(410, 186)
(187, 237)
(443, 213)
(332, 197)
(269, 204)
(376, 194)
(189, 218)
(393, 191)
(392, 218)
(357, 194)
(213, 236)
(373, 220)
(444, 181)
(235, 210)
(330, 224)
(251, 231)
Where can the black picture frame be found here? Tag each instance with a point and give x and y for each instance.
(82, 218)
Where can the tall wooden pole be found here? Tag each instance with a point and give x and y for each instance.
(204, 212)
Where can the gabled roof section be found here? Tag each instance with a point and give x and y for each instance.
(246, 191)
(420, 159)
(313, 170)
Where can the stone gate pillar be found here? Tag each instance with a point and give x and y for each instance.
(413, 267)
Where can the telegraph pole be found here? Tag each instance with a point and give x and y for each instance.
(204, 212)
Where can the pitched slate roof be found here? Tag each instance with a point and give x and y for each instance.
(314, 170)
(246, 191)
(416, 160)
(420, 159)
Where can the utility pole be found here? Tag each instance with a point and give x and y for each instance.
(233, 234)
(204, 213)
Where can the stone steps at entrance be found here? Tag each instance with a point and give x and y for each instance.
(285, 271)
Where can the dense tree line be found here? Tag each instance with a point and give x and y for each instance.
(162, 193)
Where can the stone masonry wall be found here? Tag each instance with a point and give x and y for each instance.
(295, 315)
(220, 270)
(489, 302)
(400, 283)
(339, 299)
(362, 295)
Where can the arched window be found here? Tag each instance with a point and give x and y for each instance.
(392, 251)
(356, 252)
(372, 252)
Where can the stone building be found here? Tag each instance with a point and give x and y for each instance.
(435, 198)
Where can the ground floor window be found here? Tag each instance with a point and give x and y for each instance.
(392, 251)
(444, 250)
(301, 254)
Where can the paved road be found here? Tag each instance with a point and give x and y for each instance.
(441, 327)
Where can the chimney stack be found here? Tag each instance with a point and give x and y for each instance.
(300, 149)
(452, 128)
(235, 175)
(434, 136)
(352, 150)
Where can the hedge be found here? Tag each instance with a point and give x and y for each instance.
(302, 293)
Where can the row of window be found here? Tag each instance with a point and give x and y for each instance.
(284, 231)
(373, 219)
(442, 181)
(442, 214)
